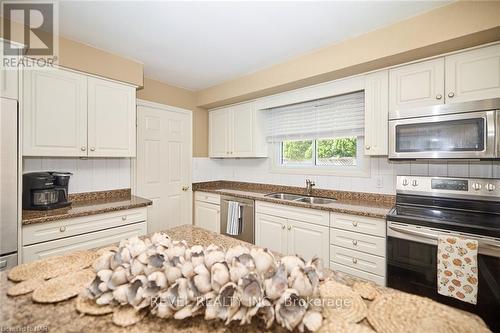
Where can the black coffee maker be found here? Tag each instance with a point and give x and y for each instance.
(45, 190)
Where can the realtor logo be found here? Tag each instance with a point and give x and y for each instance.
(33, 24)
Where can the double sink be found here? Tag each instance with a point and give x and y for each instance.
(301, 198)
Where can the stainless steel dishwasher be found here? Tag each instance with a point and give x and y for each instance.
(246, 220)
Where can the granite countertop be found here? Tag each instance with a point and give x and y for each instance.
(21, 313)
(356, 203)
(85, 204)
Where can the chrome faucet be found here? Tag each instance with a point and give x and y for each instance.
(309, 186)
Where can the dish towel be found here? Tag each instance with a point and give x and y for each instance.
(233, 218)
(457, 271)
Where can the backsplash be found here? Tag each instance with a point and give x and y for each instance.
(89, 175)
(381, 180)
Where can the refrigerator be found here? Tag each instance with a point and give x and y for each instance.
(8, 183)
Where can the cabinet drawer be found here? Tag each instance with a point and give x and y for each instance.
(207, 197)
(357, 241)
(42, 232)
(293, 213)
(358, 260)
(82, 242)
(380, 280)
(366, 225)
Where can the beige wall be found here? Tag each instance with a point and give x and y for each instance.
(458, 25)
(163, 93)
(90, 60)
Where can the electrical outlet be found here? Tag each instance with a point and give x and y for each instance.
(379, 182)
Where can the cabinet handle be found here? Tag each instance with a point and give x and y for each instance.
(439, 96)
(354, 260)
(354, 223)
(62, 229)
(92, 149)
(124, 218)
(451, 94)
(185, 188)
(368, 147)
(83, 148)
(354, 242)
(289, 228)
(283, 227)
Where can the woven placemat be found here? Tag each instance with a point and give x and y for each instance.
(340, 301)
(366, 290)
(126, 315)
(401, 313)
(337, 325)
(24, 287)
(88, 306)
(63, 287)
(52, 267)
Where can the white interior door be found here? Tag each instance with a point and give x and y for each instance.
(164, 154)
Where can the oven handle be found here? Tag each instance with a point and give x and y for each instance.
(434, 236)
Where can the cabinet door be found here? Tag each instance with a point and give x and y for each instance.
(54, 113)
(270, 233)
(308, 240)
(416, 85)
(473, 75)
(219, 124)
(376, 113)
(111, 113)
(207, 216)
(243, 130)
(8, 78)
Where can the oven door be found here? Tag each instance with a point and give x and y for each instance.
(465, 135)
(412, 267)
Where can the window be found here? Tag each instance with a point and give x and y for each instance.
(324, 135)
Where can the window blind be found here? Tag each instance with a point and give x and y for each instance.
(337, 116)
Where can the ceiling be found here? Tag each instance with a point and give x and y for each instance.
(196, 45)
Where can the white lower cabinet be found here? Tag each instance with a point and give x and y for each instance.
(43, 240)
(292, 230)
(358, 246)
(207, 211)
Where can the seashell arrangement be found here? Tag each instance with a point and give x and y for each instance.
(174, 280)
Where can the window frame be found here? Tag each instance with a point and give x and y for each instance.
(362, 169)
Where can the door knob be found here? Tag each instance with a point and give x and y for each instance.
(354, 260)
(62, 229)
(289, 227)
(92, 149)
(368, 147)
(439, 96)
(83, 149)
(451, 94)
(354, 242)
(185, 188)
(283, 227)
(354, 223)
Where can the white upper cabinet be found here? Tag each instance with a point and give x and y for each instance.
(66, 113)
(417, 85)
(219, 131)
(376, 113)
(473, 75)
(54, 113)
(8, 78)
(237, 131)
(111, 119)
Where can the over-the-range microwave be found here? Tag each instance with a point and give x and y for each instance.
(468, 130)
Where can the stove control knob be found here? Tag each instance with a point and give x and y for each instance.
(414, 183)
(490, 187)
(405, 182)
(476, 186)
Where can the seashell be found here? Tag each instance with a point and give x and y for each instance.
(105, 275)
(135, 290)
(155, 263)
(250, 289)
(143, 258)
(187, 269)
(159, 279)
(264, 310)
(247, 260)
(136, 246)
(190, 310)
(304, 280)
(202, 279)
(193, 293)
(312, 321)
(161, 238)
(115, 260)
(136, 267)
(235, 251)
(240, 315)
(317, 264)
(178, 249)
(177, 294)
(219, 275)
(120, 294)
(213, 254)
(196, 255)
(276, 285)
(225, 305)
(162, 309)
(290, 309)
(238, 270)
(93, 288)
(264, 262)
(103, 287)
(105, 298)
(119, 277)
(103, 261)
(173, 269)
(291, 262)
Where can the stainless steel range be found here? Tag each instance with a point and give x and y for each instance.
(429, 206)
